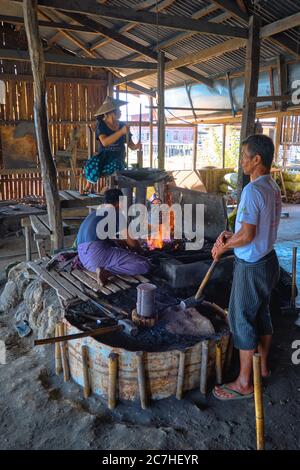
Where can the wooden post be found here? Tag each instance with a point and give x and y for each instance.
(180, 377)
(282, 80)
(139, 153)
(151, 131)
(224, 146)
(110, 87)
(141, 380)
(203, 371)
(278, 137)
(195, 147)
(251, 87)
(259, 407)
(85, 371)
(64, 356)
(112, 380)
(26, 224)
(48, 169)
(90, 137)
(161, 109)
(58, 363)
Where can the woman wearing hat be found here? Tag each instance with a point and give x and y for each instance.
(112, 135)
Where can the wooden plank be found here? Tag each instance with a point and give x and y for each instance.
(61, 291)
(109, 285)
(39, 228)
(129, 279)
(89, 282)
(73, 290)
(119, 282)
(279, 26)
(141, 278)
(75, 194)
(83, 288)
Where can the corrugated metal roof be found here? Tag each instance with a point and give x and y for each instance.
(150, 35)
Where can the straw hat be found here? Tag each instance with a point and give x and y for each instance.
(109, 104)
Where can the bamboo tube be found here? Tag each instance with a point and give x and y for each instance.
(218, 363)
(203, 371)
(141, 380)
(85, 371)
(180, 378)
(58, 364)
(63, 350)
(112, 380)
(258, 398)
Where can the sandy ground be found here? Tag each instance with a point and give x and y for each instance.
(39, 411)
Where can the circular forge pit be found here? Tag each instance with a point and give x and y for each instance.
(161, 352)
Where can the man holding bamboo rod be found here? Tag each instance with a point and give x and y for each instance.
(256, 265)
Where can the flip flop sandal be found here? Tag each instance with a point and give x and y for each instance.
(85, 192)
(235, 394)
(23, 329)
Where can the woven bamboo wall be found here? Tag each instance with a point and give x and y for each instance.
(69, 105)
(15, 184)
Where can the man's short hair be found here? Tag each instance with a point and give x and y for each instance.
(111, 196)
(260, 144)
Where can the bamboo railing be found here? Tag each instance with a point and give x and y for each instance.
(19, 183)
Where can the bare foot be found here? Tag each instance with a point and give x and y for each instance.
(102, 276)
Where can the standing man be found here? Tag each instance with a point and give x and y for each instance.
(256, 266)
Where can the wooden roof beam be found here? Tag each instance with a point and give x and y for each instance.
(189, 59)
(146, 51)
(128, 27)
(45, 24)
(279, 39)
(89, 7)
(11, 54)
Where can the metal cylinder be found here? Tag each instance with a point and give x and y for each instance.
(145, 305)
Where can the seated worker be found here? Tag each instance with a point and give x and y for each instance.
(109, 256)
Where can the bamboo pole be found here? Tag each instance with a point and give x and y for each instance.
(85, 371)
(180, 377)
(218, 363)
(161, 109)
(112, 380)
(195, 145)
(58, 363)
(151, 131)
(258, 398)
(141, 380)
(203, 371)
(63, 350)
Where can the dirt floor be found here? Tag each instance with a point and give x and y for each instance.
(39, 411)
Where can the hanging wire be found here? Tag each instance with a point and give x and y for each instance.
(179, 119)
